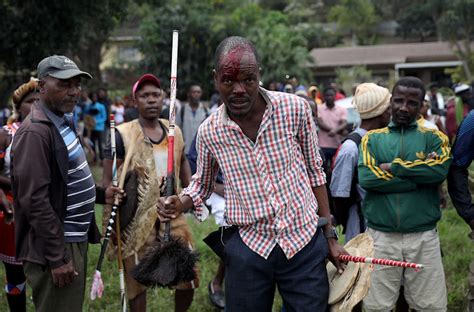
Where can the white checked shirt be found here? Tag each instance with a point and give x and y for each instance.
(268, 184)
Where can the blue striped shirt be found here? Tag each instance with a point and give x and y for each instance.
(80, 184)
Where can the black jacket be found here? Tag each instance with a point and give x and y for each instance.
(39, 172)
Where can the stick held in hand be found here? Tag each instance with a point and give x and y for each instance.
(380, 261)
(172, 261)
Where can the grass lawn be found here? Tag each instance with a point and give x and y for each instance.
(158, 299)
(458, 252)
(457, 248)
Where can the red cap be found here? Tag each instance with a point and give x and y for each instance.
(145, 78)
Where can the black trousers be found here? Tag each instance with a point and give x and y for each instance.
(250, 280)
(97, 138)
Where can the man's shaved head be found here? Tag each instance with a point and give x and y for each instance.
(237, 76)
(233, 43)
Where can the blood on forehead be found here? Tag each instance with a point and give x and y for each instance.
(238, 60)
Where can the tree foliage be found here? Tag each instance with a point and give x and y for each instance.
(358, 17)
(448, 20)
(27, 37)
(421, 19)
(32, 30)
(347, 77)
(98, 20)
(193, 20)
(390, 9)
(309, 17)
(282, 47)
(416, 22)
(457, 27)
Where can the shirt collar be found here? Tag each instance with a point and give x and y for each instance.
(58, 121)
(394, 126)
(55, 119)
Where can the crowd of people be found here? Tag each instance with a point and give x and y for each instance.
(279, 167)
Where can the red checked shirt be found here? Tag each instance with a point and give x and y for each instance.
(268, 183)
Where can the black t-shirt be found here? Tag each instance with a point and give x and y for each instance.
(131, 113)
(120, 146)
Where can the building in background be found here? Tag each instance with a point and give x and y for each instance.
(426, 60)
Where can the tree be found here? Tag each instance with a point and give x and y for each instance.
(347, 77)
(98, 19)
(358, 17)
(456, 25)
(449, 20)
(308, 18)
(282, 49)
(421, 19)
(416, 22)
(196, 41)
(390, 9)
(32, 30)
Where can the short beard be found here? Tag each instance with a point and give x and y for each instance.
(194, 101)
(239, 114)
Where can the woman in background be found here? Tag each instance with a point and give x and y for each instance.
(23, 97)
(118, 109)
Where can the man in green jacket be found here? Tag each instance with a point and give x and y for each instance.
(400, 167)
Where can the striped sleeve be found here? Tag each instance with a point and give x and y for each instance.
(372, 177)
(427, 171)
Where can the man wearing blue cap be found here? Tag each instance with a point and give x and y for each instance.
(54, 191)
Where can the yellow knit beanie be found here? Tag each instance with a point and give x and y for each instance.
(371, 100)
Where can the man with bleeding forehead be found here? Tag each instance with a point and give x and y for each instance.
(265, 143)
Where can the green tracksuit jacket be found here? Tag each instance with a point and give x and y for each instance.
(406, 199)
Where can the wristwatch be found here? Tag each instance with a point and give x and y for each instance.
(331, 233)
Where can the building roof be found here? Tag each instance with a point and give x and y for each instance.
(385, 54)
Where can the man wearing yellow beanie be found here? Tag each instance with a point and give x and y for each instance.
(372, 102)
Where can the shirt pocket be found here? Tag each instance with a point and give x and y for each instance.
(279, 151)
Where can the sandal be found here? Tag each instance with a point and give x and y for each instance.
(216, 297)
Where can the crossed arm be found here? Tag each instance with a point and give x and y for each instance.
(401, 175)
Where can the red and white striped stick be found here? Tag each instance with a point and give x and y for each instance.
(172, 124)
(379, 261)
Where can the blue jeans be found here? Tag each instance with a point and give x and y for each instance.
(250, 280)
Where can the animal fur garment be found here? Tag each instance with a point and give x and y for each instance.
(168, 264)
(138, 230)
(139, 210)
(128, 206)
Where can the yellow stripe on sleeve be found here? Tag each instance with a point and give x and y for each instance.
(369, 161)
(440, 159)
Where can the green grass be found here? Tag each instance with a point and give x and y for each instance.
(457, 248)
(158, 299)
(458, 251)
